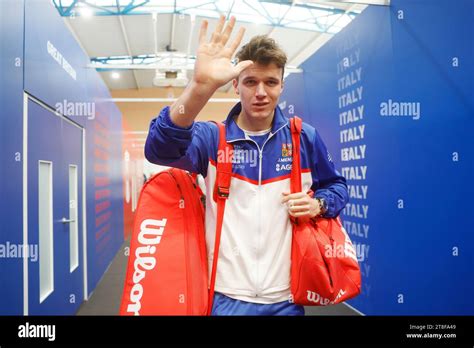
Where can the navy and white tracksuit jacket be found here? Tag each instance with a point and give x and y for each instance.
(254, 256)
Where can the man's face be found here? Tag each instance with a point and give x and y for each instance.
(259, 88)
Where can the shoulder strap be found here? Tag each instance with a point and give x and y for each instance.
(295, 126)
(221, 193)
(223, 165)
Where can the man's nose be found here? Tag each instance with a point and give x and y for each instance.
(260, 91)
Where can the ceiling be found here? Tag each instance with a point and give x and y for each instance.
(158, 39)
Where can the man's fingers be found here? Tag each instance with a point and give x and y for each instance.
(216, 36)
(300, 208)
(298, 205)
(220, 24)
(300, 214)
(236, 43)
(227, 31)
(298, 202)
(203, 32)
(293, 196)
(241, 66)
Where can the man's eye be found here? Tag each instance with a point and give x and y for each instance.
(272, 83)
(250, 82)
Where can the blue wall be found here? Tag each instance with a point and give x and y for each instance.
(11, 143)
(416, 256)
(26, 31)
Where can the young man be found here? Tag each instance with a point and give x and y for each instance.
(253, 273)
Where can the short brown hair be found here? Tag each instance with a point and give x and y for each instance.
(263, 50)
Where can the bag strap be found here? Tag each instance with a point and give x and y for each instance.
(221, 193)
(295, 182)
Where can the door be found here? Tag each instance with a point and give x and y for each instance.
(54, 186)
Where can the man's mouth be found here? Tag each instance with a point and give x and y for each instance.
(260, 105)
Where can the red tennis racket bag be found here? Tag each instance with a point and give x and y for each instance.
(324, 267)
(167, 266)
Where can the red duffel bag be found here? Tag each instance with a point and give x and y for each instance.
(324, 267)
(167, 267)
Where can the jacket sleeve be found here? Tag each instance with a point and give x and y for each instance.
(184, 148)
(328, 183)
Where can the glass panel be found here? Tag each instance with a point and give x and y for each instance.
(45, 224)
(73, 216)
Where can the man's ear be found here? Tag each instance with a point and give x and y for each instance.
(235, 83)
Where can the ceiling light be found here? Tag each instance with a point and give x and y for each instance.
(86, 12)
(115, 75)
(170, 78)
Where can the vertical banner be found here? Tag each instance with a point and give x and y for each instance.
(392, 97)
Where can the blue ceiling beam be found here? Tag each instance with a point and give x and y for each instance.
(140, 7)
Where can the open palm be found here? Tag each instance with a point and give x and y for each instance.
(213, 65)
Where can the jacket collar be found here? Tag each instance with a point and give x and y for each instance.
(234, 132)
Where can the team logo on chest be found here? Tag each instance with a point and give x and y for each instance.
(286, 149)
(284, 162)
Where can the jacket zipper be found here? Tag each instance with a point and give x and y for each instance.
(260, 157)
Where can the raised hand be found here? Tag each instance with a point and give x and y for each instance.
(213, 67)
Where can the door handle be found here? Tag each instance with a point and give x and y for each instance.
(66, 221)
